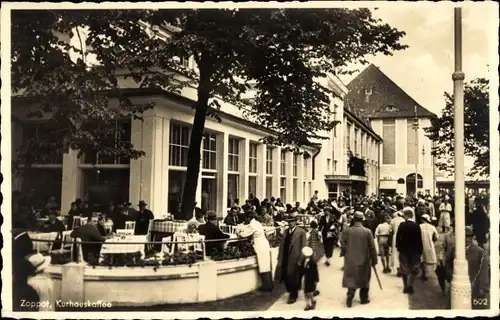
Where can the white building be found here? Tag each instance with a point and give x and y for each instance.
(392, 115)
(234, 162)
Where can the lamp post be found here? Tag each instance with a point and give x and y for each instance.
(415, 127)
(460, 284)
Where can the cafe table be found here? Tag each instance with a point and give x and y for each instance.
(117, 245)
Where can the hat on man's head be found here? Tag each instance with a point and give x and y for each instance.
(211, 216)
(39, 262)
(358, 215)
(307, 251)
(426, 217)
(291, 217)
(469, 232)
(142, 203)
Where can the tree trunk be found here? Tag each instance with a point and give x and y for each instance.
(194, 153)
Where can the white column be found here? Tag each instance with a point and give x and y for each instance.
(134, 194)
(289, 178)
(71, 181)
(147, 164)
(165, 165)
(300, 181)
(460, 285)
(261, 173)
(244, 162)
(222, 171)
(276, 172)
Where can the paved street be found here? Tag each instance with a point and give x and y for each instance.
(427, 294)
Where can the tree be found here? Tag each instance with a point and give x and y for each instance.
(476, 129)
(277, 54)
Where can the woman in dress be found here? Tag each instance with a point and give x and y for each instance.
(261, 246)
(329, 233)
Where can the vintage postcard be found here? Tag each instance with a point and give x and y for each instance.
(253, 159)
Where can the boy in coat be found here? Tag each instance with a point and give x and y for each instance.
(309, 274)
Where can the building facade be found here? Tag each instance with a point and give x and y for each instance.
(400, 121)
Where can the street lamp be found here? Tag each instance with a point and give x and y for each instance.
(460, 284)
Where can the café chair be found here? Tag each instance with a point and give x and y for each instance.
(130, 225)
(166, 245)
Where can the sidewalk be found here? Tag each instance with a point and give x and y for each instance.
(333, 296)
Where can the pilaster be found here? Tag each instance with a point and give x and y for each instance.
(276, 171)
(244, 162)
(300, 181)
(261, 172)
(71, 181)
(289, 178)
(222, 173)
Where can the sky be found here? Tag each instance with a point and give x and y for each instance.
(424, 69)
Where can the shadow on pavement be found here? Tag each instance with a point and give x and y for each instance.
(428, 295)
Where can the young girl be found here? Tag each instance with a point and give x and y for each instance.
(309, 274)
(314, 241)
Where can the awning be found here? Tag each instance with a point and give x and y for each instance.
(344, 178)
(388, 184)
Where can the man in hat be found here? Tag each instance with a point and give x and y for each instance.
(478, 266)
(131, 212)
(409, 245)
(142, 219)
(397, 219)
(429, 238)
(445, 214)
(212, 232)
(89, 233)
(289, 258)
(360, 255)
(420, 210)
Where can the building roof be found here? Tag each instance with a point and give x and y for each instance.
(385, 98)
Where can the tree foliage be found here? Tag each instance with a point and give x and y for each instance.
(273, 55)
(476, 130)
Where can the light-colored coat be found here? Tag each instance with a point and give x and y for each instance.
(429, 233)
(360, 254)
(260, 244)
(395, 222)
(297, 242)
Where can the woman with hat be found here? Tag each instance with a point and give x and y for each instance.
(330, 233)
(41, 282)
(429, 238)
(262, 249)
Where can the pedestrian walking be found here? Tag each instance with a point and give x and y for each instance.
(429, 238)
(289, 258)
(445, 215)
(397, 219)
(314, 240)
(329, 233)
(310, 276)
(480, 223)
(383, 233)
(409, 245)
(360, 255)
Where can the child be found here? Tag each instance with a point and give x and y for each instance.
(314, 241)
(382, 233)
(310, 275)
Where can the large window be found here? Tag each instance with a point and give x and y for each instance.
(209, 151)
(40, 138)
(269, 187)
(333, 190)
(233, 154)
(283, 163)
(362, 145)
(233, 188)
(306, 169)
(356, 149)
(295, 162)
(412, 139)
(283, 190)
(253, 158)
(348, 137)
(269, 160)
(179, 144)
(389, 136)
(43, 183)
(105, 185)
(176, 180)
(121, 136)
(252, 184)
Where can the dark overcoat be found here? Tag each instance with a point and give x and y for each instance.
(360, 254)
(297, 242)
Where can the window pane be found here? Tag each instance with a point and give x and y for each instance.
(269, 188)
(213, 160)
(389, 136)
(252, 185)
(412, 153)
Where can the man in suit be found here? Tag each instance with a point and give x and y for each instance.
(289, 258)
(89, 232)
(212, 232)
(410, 248)
(360, 255)
(142, 219)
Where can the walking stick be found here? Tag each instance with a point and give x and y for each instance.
(378, 279)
